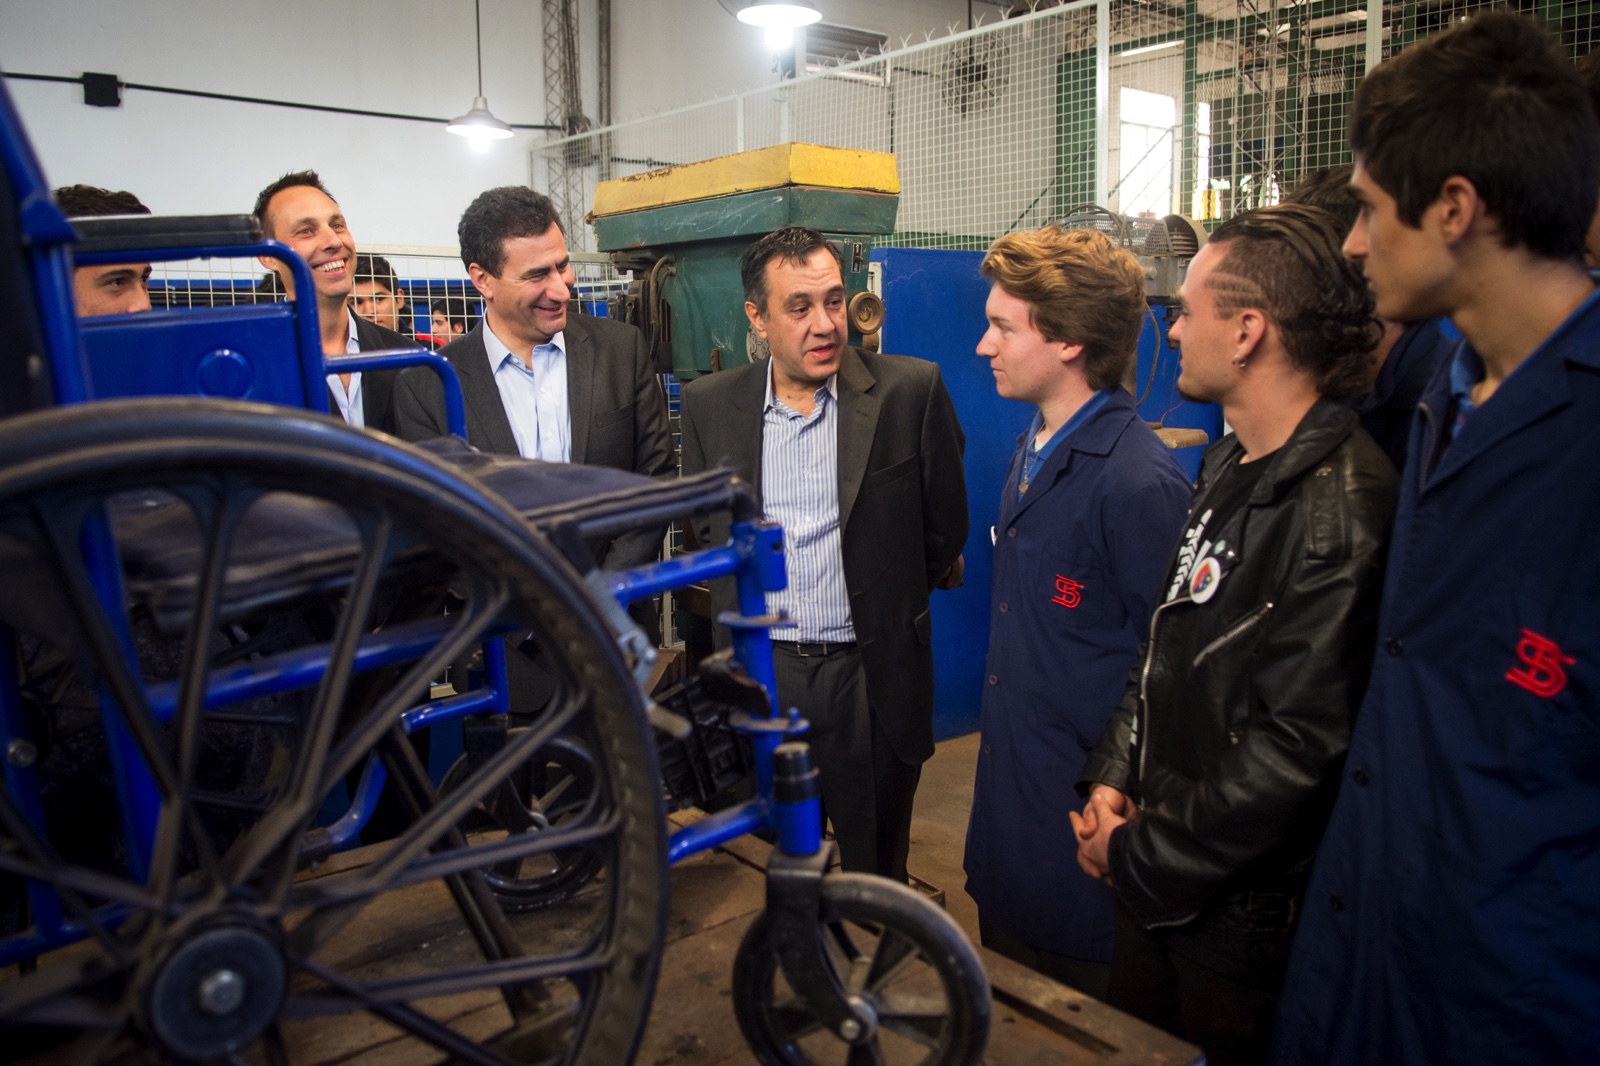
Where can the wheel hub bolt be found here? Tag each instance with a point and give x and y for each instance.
(21, 753)
(849, 1028)
(221, 992)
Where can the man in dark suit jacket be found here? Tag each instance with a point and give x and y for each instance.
(858, 455)
(298, 211)
(556, 387)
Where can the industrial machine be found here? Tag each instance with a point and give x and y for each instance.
(682, 230)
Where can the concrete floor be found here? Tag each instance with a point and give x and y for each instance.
(939, 826)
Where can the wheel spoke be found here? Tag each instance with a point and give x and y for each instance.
(919, 1018)
(794, 1021)
(895, 952)
(411, 1020)
(865, 1054)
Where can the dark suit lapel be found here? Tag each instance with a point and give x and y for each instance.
(484, 408)
(377, 388)
(580, 386)
(858, 424)
(744, 422)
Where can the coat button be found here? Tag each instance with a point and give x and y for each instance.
(988, 750)
(1011, 532)
(1394, 646)
(1336, 903)
(1004, 607)
(1361, 777)
(993, 680)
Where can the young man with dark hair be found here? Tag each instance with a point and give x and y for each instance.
(1210, 788)
(111, 288)
(1405, 358)
(537, 382)
(1091, 509)
(1454, 914)
(377, 295)
(449, 318)
(858, 455)
(298, 211)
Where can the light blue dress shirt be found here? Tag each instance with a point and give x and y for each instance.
(349, 401)
(800, 491)
(535, 398)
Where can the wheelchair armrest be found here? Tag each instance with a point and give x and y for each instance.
(116, 233)
(455, 410)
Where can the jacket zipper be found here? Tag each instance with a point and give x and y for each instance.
(1141, 724)
(1233, 631)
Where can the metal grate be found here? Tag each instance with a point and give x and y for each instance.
(1145, 107)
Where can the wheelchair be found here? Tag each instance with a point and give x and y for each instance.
(221, 616)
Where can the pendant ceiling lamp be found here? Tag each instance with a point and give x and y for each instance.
(478, 125)
(779, 18)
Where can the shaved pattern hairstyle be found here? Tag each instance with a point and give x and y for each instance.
(1080, 288)
(1288, 262)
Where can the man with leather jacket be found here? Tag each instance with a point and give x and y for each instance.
(1210, 789)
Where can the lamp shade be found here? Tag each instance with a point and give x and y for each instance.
(787, 14)
(478, 123)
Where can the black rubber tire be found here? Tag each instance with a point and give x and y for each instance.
(57, 468)
(892, 920)
(560, 779)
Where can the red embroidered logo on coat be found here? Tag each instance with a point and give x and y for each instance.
(1540, 672)
(1068, 592)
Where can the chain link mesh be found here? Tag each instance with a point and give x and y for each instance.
(1209, 108)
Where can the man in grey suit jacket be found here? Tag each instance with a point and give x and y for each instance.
(858, 455)
(537, 382)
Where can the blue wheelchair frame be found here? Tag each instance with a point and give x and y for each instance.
(753, 558)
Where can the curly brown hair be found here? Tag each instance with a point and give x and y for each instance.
(1080, 289)
(1287, 261)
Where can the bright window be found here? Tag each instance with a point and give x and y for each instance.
(1145, 183)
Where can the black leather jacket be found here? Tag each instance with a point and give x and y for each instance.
(1232, 732)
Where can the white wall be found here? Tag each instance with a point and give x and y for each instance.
(399, 182)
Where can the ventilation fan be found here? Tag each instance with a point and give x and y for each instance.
(974, 74)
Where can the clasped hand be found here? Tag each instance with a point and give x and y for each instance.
(1106, 810)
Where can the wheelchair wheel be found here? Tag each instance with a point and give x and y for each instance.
(554, 786)
(213, 940)
(904, 958)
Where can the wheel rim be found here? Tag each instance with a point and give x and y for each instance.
(535, 995)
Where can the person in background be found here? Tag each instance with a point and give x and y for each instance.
(858, 456)
(449, 319)
(1210, 788)
(298, 211)
(1091, 510)
(377, 295)
(114, 288)
(1454, 913)
(1409, 352)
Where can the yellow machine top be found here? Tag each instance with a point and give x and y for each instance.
(764, 168)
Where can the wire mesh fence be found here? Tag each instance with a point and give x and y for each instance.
(1142, 107)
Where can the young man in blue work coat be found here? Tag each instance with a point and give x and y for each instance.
(1454, 912)
(1091, 511)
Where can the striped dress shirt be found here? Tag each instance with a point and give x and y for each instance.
(800, 491)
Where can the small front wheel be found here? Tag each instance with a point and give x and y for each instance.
(912, 972)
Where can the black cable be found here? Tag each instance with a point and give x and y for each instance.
(268, 103)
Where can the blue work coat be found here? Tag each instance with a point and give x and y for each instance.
(1078, 563)
(1454, 911)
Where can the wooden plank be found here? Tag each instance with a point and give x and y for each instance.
(763, 168)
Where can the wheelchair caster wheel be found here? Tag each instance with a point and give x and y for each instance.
(554, 786)
(919, 991)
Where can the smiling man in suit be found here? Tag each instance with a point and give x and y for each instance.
(297, 210)
(537, 382)
(858, 456)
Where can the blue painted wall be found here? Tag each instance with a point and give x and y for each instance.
(934, 310)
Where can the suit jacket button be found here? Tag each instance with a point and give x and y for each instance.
(993, 680)
(1361, 777)
(988, 750)
(1011, 532)
(1394, 646)
(1004, 607)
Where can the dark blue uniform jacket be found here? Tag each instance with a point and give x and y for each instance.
(1078, 562)
(1454, 911)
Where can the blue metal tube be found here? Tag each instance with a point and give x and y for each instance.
(455, 410)
(362, 804)
(760, 546)
(451, 708)
(646, 581)
(718, 829)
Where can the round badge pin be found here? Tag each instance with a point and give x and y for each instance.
(1205, 579)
